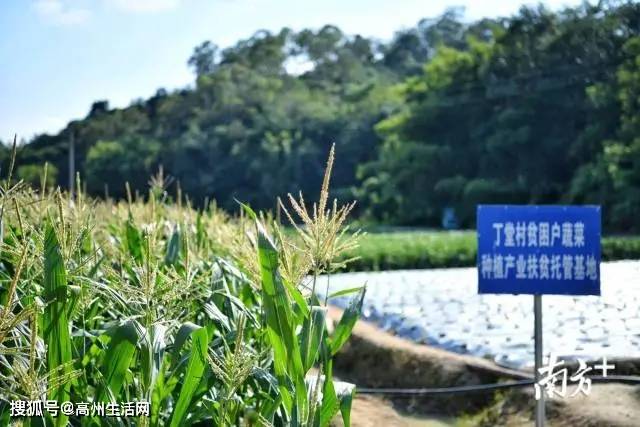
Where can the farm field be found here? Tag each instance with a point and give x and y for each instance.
(442, 308)
(420, 249)
(170, 253)
(148, 312)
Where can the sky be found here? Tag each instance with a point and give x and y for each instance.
(59, 56)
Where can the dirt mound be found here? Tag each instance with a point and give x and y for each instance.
(373, 358)
(608, 405)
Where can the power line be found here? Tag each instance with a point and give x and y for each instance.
(622, 379)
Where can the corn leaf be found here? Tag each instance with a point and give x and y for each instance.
(134, 240)
(280, 325)
(152, 354)
(344, 292)
(330, 403)
(346, 395)
(117, 359)
(301, 303)
(55, 321)
(73, 295)
(200, 231)
(183, 334)
(347, 322)
(192, 377)
(173, 248)
(311, 335)
(217, 316)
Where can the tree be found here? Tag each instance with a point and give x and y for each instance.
(204, 57)
(540, 107)
(110, 164)
(34, 175)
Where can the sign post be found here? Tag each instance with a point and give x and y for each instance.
(537, 340)
(538, 250)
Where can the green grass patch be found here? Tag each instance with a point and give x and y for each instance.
(398, 250)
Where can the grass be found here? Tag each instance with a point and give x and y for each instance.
(397, 250)
(208, 317)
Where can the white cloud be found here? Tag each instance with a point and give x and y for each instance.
(145, 5)
(58, 13)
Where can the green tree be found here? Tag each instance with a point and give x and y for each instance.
(110, 164)
(34, 174)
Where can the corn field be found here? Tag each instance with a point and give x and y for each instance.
(212, 319)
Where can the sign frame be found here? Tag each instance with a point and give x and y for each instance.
(491, 222)
(535, 285)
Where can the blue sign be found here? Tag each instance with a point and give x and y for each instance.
(538, 249)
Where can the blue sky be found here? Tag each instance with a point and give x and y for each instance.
(58, 56)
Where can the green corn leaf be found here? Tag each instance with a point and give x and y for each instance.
(280, 323)
(134, 240)
(346, 395)
(238, 304)
(182, 336)
(164, 386)
(311, 335)
(301, 303)
(330, 404)
(217, 316)
(96, 267)
(55, 322)
(192, 377)
(281, 326)
(264, 378)
(200, 231)
(5, 413)
(336, 396)
(151, 356)
(344, 292)
(117, 359)
(269, 406)
(347, 322)
(73, 295)
(173, 248)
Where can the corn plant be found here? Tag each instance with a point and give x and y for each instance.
(211, 318)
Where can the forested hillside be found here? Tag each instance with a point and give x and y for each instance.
(540, 107)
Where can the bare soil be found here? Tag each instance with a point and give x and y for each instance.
(374, 358)
(369, 411)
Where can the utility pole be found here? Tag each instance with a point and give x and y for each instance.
(72, 161)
